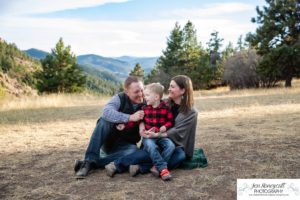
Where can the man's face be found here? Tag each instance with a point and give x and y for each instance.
(135, 92)
(151, 98)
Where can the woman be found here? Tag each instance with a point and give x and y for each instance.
(183, 133)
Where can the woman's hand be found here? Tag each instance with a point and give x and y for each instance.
(162, 129)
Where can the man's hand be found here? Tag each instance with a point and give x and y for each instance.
(139, 115)
(120, 127)
(162, 129)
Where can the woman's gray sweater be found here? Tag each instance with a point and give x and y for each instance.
(184, 131)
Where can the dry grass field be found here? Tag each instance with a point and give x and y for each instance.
(245, 134)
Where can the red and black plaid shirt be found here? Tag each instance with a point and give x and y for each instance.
(157, 117)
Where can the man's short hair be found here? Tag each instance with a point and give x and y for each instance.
(157, 88)
(129, 80)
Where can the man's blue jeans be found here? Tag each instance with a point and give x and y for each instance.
(142, 158)
(160, 151)
(120, 149)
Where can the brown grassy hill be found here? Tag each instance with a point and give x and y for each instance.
(16, 71)
(11, 86)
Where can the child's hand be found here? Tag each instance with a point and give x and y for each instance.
(156, 135)
(120, 127)
(149, 133)
(162, 129)
(142, 131)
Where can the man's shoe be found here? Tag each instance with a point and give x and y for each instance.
(154, 171)
(134, 170)
(111, 169)
(85, 168)
(77, 165)
(165, 175)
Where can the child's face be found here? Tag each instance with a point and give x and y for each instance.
(151, 97)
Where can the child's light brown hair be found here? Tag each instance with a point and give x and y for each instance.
(157, 88)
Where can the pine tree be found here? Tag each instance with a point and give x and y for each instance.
(169, 64)
(137, 71)
(61, 73)
(191, 50)
(210, 67)
(241, 45)
(214, 45)
(277, 39)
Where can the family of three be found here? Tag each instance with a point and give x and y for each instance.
(167, 128)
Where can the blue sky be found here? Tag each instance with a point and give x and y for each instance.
(120, 27)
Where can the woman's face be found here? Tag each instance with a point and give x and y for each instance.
(175, 91)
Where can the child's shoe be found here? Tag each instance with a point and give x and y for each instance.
(165, 175)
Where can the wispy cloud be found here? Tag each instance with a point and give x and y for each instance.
(24, 7)
(117, 37)
(101, 37)
(212, 10)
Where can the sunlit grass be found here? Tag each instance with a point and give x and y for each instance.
(50, 101)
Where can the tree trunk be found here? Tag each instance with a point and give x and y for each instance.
(288, 81)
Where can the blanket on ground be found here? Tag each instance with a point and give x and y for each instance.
(198, 160)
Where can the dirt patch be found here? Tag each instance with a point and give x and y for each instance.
(37, 156)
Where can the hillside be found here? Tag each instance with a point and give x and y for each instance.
(118, 67)
(16, 70)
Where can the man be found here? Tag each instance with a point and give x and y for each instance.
(123, 108)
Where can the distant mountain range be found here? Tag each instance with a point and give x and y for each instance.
(36, 53)
(119, 67)
(146, 62)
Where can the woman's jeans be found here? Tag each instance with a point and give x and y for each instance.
(160, 151)
(142, 158)
(120, 149)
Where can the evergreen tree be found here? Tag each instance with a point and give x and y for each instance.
(95, 84)
(228, 51)
(169, 64)
(61, 73)
(137, 71)
(240, 44)
(210, 66)
(151, 76)
(185, 55)
(214, 45)
(277, 39)
(191, 50)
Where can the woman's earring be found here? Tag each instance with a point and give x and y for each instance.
(182, 97)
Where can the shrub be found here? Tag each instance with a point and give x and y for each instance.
(240, 70)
